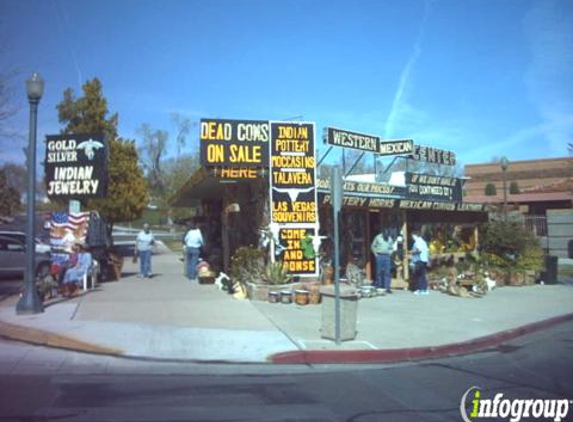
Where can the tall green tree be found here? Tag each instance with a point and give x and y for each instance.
(9, 196)
(127, 192)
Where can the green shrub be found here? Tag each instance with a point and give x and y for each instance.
(248, 265)
(513, 188)
(509, 244)
(490, 189)
(277, 273)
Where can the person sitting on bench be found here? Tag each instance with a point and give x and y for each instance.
(75, 274)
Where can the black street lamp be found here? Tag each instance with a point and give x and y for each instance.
(504, 163)
(30, 302)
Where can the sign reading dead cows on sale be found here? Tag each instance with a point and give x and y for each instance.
(292, 173)
(234, 143)
(76, 166)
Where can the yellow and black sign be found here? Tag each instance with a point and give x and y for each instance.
(298, 256)
(234, 143)
(293, 173)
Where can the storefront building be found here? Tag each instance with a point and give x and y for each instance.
(236, 203)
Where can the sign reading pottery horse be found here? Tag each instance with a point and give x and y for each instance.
(76, 166)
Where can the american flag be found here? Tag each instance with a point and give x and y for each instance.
(63, 221)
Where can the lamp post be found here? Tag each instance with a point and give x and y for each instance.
(30, 302)
(504, 163)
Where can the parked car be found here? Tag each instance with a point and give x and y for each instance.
(13, 258)
(41, 247)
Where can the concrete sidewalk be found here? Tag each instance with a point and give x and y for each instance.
(168, 317)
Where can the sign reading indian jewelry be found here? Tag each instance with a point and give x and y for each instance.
(437, 188)
(76, 166)
(293, 195)
(433, 155)
(369, 143)
(234, 143)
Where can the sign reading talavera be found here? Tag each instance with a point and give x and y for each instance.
(368, 143)
(76, 166)
(293, 194)
(234, 143)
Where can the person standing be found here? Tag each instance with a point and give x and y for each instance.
(193, 242)
(144, 248)
(382, 247)
(420, 257)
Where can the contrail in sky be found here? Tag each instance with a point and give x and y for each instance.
(405, 76)
(62, 26)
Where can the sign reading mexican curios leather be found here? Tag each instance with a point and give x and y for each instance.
(76, 166)
(234, 143)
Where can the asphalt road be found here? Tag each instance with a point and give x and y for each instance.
(40, 384)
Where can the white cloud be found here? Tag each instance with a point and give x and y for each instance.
(550, 73)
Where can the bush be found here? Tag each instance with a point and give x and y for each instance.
(509, 244)
(248, 265)
(513, 188)
(490, 189)
(277, 273)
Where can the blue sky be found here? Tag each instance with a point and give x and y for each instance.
(482, 78)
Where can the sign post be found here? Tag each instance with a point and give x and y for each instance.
(336, 194)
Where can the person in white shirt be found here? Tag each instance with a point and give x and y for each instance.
(144, 248)
(193, 242)
(420, 258)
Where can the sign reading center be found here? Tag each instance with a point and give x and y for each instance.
(234, 143)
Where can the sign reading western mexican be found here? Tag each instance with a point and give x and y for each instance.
(76, 166)
(438, 188)
(298, 255)
(369, 143)
(433, 155)
(234, 143)
(293, 195)
(292, 173)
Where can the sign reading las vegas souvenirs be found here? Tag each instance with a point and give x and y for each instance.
(293, 195)
(76, 166)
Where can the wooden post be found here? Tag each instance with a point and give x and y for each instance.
(225, 231)
(368, 269)
(406, 267)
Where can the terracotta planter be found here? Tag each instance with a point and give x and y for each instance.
(328, 276)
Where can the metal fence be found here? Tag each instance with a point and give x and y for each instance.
(536, 224)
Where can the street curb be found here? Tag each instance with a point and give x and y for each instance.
(307, 357)
(46, 338)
